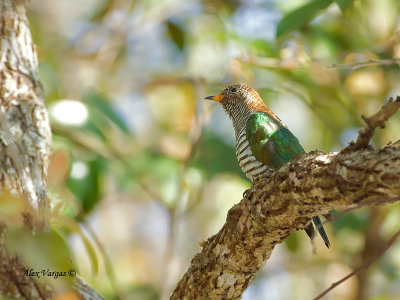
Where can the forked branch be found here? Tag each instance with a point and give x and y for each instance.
(377, 120)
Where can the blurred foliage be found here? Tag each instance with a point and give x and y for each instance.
(144, 169)
(294, 19)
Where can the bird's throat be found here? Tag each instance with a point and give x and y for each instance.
(239, 116)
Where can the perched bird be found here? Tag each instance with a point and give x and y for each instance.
(263, 141)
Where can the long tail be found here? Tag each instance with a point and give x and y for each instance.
(310, 231)
(318, 224)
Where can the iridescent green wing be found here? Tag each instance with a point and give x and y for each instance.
(271, 142)
(274, 145)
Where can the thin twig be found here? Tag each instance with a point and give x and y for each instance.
(377, 120)
(270, 62)
(363, 266)
(369, 63)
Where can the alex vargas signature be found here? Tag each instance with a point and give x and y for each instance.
(48, 273)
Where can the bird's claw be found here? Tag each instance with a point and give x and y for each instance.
(248, 193)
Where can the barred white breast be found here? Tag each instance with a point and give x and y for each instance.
(249, 164)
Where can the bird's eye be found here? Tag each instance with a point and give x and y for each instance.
(234, 90)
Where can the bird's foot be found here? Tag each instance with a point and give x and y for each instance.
(329, 216)
(248, 193)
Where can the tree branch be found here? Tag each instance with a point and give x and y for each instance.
(368, 63)
(85, 290)
(377, 120)
(311, 185)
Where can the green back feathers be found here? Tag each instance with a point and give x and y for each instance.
(271, 142)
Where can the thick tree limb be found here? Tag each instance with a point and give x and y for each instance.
(312, 185)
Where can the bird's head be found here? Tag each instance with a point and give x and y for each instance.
(236, 95)
(238, 99)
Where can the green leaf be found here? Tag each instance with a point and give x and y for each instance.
(343, 4)
(102, 105)
(300, 16)
(88, 189)
(177, 34)
(75, 227)
(94, 263)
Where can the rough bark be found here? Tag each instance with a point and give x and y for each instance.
(312, 185)
(25, 143)
(25, 135)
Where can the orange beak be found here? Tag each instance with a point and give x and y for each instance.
(217, 98)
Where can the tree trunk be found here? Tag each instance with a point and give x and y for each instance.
(25, 143)
(25, 135)
(25, 148)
